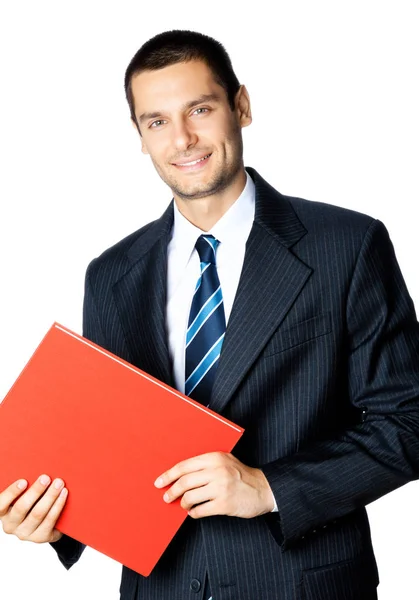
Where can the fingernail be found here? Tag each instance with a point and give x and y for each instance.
(166, 498)
(22, 484)
(44, 479)
(58, 483)
(63, 493)
(159, 482)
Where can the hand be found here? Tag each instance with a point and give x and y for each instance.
(33, 516)
(220, 481)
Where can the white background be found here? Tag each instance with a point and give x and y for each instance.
(334, 88)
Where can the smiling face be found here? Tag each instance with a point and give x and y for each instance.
(189, 130)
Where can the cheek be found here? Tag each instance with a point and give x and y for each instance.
(228, 135)
(214, 131)
(158, 151)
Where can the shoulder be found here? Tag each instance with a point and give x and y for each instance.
(339, 232)
(115, 260)
(321, 216)
(318, 218)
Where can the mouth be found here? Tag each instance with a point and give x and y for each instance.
(192, 165)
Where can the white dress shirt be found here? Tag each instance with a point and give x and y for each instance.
(183, 269)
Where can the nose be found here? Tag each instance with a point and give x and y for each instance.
(184, 136)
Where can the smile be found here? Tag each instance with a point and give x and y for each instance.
(193, 162)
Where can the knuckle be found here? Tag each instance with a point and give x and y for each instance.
(186, 500)
(54, 515)
(175, 472)
(175, 492)
(180, 486)
(48, 524)
(4, 505)
(219, 457)
(19, 511)
(37, 515)
(184, 483)
(45, 534)
(51, 514)
(233, 472)
(8, 528)
(224, 474)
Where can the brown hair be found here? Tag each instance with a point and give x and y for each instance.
(171, 47)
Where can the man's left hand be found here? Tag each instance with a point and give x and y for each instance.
(217, 484)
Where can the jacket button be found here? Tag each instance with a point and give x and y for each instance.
(195, 585)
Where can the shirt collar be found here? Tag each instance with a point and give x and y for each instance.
(233, 227)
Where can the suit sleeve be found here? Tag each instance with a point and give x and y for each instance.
(68, 549)
(331, 478)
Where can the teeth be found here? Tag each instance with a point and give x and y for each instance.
(193, 162)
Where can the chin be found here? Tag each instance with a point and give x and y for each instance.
(193, 193)
(197, 189)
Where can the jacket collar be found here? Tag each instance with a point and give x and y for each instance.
(272, 277)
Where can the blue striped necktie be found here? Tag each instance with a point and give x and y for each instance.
(206, 325)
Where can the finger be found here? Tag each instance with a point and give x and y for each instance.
(197, 496)
(183, 468)
(56, 535)
(9, 495)
(46, 531)
(188, 482)
(190, 465)
(24, 504)
(207, 509)
(40, 510)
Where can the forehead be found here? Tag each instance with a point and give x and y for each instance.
(171, 87)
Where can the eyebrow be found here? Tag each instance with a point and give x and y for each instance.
(187, 106)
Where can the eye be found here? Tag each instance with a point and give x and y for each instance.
(200, 110)
(157, 123)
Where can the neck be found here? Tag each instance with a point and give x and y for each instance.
(204, 213)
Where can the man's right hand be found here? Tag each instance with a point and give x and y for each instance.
(33, 515)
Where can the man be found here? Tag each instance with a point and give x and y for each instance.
(289, 317)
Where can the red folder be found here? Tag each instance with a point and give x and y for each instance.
(109, 430)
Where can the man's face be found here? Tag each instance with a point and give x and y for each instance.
(187, 126)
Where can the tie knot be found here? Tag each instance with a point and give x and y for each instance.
(206, 246)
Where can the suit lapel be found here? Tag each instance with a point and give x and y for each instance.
(140, 296)
(272, 277)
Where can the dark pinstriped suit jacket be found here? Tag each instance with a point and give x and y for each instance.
(319, 365)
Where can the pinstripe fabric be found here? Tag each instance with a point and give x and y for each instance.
(319, 365)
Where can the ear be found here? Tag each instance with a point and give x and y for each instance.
(143, 145)
(243, 109)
